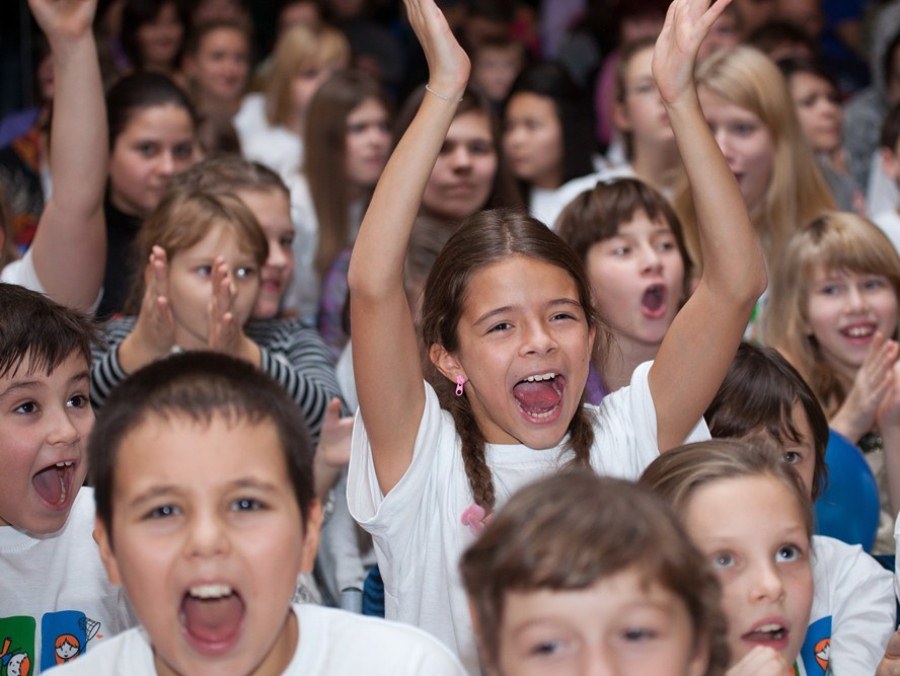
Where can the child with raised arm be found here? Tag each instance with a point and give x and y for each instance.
(509, 327)
(66, 258)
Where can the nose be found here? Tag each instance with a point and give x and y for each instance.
(856, 300)
(277, 257)
(167, 163)
(650, 260)
(721, 136)
(62, 430)
(461, 158)
(206, 535)
(538, 338)
(767, 584)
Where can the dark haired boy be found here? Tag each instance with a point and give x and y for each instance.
(55, 599)
(206, 514)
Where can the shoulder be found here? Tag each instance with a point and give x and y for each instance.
(379, 645)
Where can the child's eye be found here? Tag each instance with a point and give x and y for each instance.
(563, 315)
(743, 128)
(147, 149)
(203, 270)
(502, 326)
(244, 272)
(875, 283)
(78, 401)
(792, 457)
(830, 290)
(163, 512)
(639, 634)
(546, 648)
(481, 148)
(183, 151)
(621, 251)
(286, 242)
(27, 407)
(722, 560)
(788, 553)
(246, 505)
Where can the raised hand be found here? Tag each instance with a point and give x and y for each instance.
(873, 380)
(63, 18)
(448, 64)
(224, 333)
(687, 23)
(333, 451)
(153, 336)
(890, 663)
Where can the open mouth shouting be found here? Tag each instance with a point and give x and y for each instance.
(653, 301)
(773, 634)
(211, 615)
(540, 396)
(54, 484)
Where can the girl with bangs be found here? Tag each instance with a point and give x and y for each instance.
(200, 256)
(833, 314)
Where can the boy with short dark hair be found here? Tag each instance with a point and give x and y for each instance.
(54, 596)
(206, 513)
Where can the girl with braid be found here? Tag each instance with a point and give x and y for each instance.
(509, 328)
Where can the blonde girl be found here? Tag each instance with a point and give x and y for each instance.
(750, 112)
(748, 512)
(508, 323)
(202, 252)
(834, 316)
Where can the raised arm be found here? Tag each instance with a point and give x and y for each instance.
(69, 248)
(700, 344)
(385, 350)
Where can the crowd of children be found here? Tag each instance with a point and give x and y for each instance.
(547, 447)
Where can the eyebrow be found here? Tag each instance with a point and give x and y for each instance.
(171, 489)
(26, 384)
(490, 314)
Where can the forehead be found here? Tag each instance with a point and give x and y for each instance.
(165, 119)
(641, 223)
(223, 36)
(471, 124)
(180, 452)
(33, 369)
(518, 281)
(639, 63)
(271, 207)
(369, 107)
(531, 105)
(714, 104)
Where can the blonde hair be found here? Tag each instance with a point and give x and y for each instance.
(300, 48)
(796, 191)
(834, 241)
(182, 219)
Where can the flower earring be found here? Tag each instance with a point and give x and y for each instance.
(460, 381)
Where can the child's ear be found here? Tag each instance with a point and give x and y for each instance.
(102, 538)
(620, 117)
(311, 530)
(446, 362)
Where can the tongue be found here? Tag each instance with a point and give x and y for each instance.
(49, 485)
(212, 620)
(538, 396)
(653, 299)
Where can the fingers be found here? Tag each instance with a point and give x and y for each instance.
(160, 267)
(760, 661)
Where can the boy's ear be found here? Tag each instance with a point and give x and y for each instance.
(311, 530)
(446, 362)
(101, 537)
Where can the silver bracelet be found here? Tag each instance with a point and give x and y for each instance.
(442, 97)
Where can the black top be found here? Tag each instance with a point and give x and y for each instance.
(121, 230)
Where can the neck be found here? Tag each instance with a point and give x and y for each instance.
(623, 358)
(657, 166)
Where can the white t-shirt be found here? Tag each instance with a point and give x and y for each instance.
(277, 147)
(417, 527)
(889, 222)
(330, 642)
(23, 273)
(853, 613)
(55, 597)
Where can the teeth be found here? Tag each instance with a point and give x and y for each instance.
(67, 463)
(535, 379)
(769, 628)
(859, 331)
(210, 591)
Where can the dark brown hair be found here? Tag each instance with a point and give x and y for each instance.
(595, 215)
(485, 238)
(568, 532)
(757, 398)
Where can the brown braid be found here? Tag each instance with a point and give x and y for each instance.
(581, 438)
(481, 481)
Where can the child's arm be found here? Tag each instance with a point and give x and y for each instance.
(385, 350)
(888, 419)
(69, 248)
(700, 344)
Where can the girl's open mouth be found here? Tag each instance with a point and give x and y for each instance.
(539, 396)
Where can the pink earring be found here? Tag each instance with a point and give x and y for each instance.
(460, 381)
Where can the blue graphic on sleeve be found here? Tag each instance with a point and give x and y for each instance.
(64, 636)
